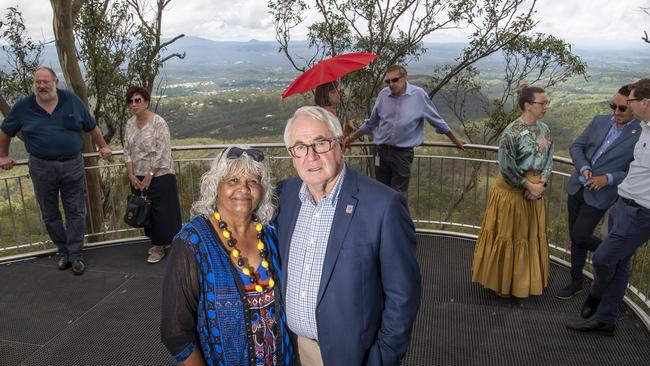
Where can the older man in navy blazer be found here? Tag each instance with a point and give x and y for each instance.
(601, 155)
(347, 242)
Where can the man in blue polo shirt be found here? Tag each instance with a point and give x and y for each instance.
(398, 121)
(52, 121)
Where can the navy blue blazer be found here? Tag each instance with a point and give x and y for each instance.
(369, 290)
(615, 160)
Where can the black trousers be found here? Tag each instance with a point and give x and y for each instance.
(393, 166)
(582, 222)
(165, 219)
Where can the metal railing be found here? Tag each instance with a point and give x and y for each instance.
(448, 193)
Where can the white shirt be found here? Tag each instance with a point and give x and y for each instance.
(636, 185)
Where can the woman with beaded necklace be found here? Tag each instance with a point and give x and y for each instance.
(221, 299)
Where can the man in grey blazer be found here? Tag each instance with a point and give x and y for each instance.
(601, 156)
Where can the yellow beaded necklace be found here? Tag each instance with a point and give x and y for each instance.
(240, 261)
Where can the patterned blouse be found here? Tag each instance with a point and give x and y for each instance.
(525, 147)
(149, 147)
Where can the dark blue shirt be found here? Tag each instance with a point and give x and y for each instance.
(49, 135)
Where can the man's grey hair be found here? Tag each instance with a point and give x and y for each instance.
(222, 167)
(316, 113)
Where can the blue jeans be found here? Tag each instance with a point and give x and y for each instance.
(629, 229)
(67, 178)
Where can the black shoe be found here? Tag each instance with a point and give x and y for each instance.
(593, 326)
(589, 307)
(63, 263)
(78, 267)
(569, 290)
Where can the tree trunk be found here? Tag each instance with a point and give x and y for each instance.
(64, 15)
(4, 107)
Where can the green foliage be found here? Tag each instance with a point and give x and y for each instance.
(393, 30)
(537, 59)
(105, 36)
(23, 59)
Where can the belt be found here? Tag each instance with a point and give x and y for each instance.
(396, 148)
(630, 202)
(58, 158)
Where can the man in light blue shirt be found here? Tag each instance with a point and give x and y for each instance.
(397, 120)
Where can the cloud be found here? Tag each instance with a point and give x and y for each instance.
(580, 22)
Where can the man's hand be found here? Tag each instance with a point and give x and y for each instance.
(105, 152)
(7, 163)
(460, 143)
(587, 174)
(597, 183)
(348, 140)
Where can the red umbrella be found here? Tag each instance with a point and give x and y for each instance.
(328, 70)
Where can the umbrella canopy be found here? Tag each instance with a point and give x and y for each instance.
(328, 70)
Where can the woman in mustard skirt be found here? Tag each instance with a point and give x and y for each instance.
(511, 256)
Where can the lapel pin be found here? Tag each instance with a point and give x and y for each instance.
(349, 209)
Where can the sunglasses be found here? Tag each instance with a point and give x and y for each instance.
(236, 152)
(392, 81)
(615, 106)
(634, 99)
(135, 101)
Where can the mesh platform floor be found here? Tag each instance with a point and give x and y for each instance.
(110, 316)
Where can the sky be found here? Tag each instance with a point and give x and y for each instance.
(583, 23)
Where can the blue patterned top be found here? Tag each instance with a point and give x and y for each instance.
(206, 304)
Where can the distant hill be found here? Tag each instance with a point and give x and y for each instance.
(258, 60)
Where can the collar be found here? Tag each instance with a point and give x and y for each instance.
(331, 198)
(612, 122)
(61, 98)
(409, 91)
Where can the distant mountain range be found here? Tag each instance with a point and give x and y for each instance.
(206, 59)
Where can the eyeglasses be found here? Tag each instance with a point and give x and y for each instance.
(135, 101)
(634, 99)
(615, 106)
(544, 103)
(392, 81)
(236, 152)
(319, 147)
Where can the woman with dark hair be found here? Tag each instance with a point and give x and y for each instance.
(148, 159)
(328, 96)
(511, 255)
(221, 296)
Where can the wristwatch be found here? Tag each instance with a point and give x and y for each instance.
(151, 173)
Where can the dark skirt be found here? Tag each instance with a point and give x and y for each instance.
(165, 219)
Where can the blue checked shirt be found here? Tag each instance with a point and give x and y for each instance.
(306, 256)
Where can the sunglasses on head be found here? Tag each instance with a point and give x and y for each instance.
(392, 81)
(236, 152)
(621, 108)
(135, 101)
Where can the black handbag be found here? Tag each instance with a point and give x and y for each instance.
(138, 209)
